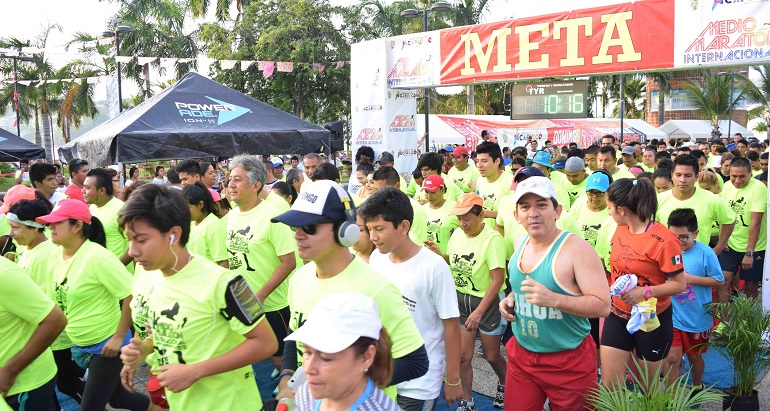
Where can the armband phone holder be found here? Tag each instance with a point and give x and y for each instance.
(242, 303)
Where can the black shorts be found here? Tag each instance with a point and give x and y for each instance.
(731, 261)
(491, 319)
(595, 330)
(279, 322)
(650, 346)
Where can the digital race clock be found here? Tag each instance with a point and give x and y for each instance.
(553, 99)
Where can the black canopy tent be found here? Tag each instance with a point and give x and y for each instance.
(13, 148)
(196, 117)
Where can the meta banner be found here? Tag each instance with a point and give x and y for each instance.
(623, 37)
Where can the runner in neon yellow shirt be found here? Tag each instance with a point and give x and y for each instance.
(607, 159)
(576, 179)
(263, 253)
(207, 232)
(29, 323)
(93, 289)
(200, 343)
(463, 173)
(441, 223)
(317, 218)
(97, 191)
(494, 183)
(431, 164)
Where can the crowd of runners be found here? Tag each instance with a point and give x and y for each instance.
(374, 298)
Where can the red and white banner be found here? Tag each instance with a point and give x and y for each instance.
(413, 60)
(514, 133)
(623, 37)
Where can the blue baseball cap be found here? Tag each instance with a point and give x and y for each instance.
(559, 164)
(543, 158)
(449, 148)
(598, 181)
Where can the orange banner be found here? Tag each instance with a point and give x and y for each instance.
(623, 37)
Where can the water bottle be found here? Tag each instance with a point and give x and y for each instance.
(285, 404)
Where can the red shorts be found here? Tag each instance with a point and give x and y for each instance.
(564, 377)
(157, 393)
(691, 343)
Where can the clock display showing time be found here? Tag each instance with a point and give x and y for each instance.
(547, 100)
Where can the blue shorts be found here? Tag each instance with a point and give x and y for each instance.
(731, 262)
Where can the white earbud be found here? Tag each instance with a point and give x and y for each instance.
(171, 239)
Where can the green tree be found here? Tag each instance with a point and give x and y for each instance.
(299, 31)
(468, 13)
(759, 93)
(714, 99)
(634, 100)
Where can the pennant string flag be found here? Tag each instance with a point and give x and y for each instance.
(227, 64)
(285, 66)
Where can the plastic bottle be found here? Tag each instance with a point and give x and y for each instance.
(285, 404)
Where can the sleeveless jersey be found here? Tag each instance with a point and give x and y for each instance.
(544, 329)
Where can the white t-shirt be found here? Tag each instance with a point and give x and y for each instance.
(161, 181)
(428, 290)
(57, 196)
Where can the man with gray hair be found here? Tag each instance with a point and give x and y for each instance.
(261, 252)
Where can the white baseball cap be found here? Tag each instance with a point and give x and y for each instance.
(540, 186)
(337, 321)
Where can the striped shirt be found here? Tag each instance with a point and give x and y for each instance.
(378, 401)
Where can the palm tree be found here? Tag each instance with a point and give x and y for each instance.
(714, 99)
(385, 19)
(663, 80)
(604, 87)
(759, 93)
(468, 13)
(633, 99)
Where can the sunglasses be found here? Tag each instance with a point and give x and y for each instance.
(311, 229)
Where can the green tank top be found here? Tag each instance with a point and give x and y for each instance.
(544, 329)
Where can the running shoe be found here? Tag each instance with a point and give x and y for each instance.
(499, 396)
(465, 406)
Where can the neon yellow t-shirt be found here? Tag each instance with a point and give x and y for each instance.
(419, 229)
(254, 244)
(471, 260)
(5, 228)
(305, 289)
(188, 328)
(208, 239)
(604, 242)
(622, 173)
(464, 178)
(411, 189)
(590, 222)
(108, 216)
(277, 202)
(36, 262)
(573, 190)
(441, 224)
(708, 207)
(560, 183)
(649, 169)
(451, 194)
(492, 193)
(22, 307)
(88, 288)
(749, 199)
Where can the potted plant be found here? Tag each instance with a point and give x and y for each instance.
(742, 339)
(658, 396)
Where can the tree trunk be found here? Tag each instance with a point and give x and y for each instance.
(38, 141)
(471, 99)
(661, 106)
(146, 69)
(300, 98)
(46, 118)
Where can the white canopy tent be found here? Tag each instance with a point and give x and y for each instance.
(442, 134)
(697, 130)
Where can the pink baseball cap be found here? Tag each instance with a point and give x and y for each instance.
(16, 194)
(65, 210)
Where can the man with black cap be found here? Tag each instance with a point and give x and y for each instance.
(324, 222)
(387, 160)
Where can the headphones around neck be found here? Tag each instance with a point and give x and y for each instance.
(346, 233)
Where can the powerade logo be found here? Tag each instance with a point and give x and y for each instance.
(219, 113)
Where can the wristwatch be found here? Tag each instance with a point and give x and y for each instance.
(647, 292)
(749, 253)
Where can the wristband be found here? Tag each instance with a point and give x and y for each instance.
(285, 373)
(647, 292)
(459, 381)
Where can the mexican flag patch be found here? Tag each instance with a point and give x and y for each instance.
(676, 260)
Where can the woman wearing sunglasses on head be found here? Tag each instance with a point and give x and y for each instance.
(93, 289)
(206, 326)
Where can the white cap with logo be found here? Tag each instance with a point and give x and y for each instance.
(540, 186)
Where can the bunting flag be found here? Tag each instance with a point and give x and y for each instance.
(145, 60)
(186, 60)
(15, 95)
(266, 67)
(227, 64)
(285, 66)
(123, 59)
(245, 64)
(319, 67)
(340, 64)
(168, 61)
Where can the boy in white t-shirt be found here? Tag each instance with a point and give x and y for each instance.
(427, 288)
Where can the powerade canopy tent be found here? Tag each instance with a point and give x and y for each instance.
(13, 148)
(196, 117)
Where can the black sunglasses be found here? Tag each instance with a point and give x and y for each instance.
(311, 229)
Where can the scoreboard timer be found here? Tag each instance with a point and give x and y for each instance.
(547, 100)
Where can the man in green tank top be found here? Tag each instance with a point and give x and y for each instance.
(557, 283)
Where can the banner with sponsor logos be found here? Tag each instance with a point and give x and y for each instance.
(722, 33)
(413, 60)
(383, 118)
(617, 38)
(559, 132)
